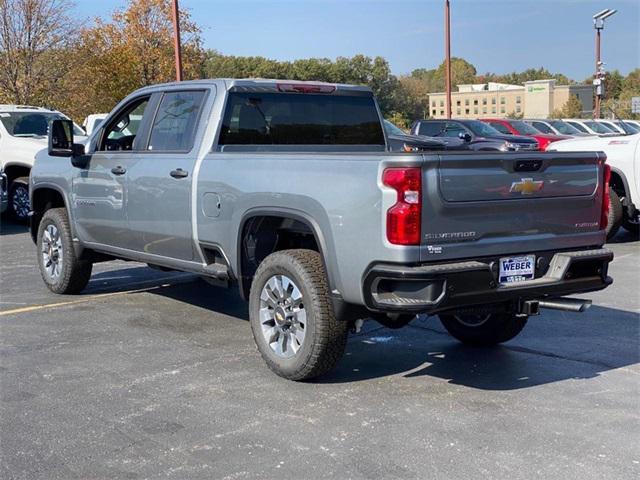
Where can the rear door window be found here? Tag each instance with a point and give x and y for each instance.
(578, 126)
(176, 120)
(431, 129)
(500, 127)
(300, 119)
(543, 127)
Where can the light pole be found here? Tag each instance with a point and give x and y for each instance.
(598, 81)
(447, 52)
(176, 40)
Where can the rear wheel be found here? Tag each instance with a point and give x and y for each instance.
(292, 319)
(632, 225)
(61, 270)
(485, 328)
(614, 215)
(19, 199)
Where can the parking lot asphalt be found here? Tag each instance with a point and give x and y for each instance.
(151, 374)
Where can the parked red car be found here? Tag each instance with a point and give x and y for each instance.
(518, 127)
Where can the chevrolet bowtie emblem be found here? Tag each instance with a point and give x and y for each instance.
(527, 186)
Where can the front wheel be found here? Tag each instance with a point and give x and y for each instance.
(61, 270)
(19, 205)
(483, 329)
(292, 318)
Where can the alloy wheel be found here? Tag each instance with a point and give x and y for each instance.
(52, 253)
(283, 317)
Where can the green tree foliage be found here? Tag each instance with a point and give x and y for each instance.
(571, 109)
(359, 70)
(621, 104)
(462, 72)
(518, 78)
(613, 84)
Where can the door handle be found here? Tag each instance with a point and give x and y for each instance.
(179, 173)
(118, 170)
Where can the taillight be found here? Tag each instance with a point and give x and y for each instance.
(606, 174)
(404, 217)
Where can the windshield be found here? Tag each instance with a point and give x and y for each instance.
(481, 129)
(391, 129)
(32, 124)
(610, 126)
(564, 127)
(578, 127)
(599, 127)
(524, 128)
(628, 127)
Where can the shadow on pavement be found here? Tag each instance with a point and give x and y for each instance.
(551, 351)
(199, 293)
(553, 347)
(9, 227)
(623, 236)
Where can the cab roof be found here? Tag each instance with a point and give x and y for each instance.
(265, 85)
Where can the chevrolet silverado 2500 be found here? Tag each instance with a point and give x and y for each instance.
(288, 191)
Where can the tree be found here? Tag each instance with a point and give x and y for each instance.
(613, 84)
(131, 51)
(358, 70)
(571, 109)
(622, 105)
(34, 37)
(416, 94)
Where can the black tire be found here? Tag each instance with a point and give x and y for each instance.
(631, 226)
(19, 199)
(72, 274)
(614, 215)
(484, 329)
(325, 337)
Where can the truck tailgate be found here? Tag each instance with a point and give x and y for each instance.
(494, 203)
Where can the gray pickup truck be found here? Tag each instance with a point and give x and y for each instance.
(287, 190)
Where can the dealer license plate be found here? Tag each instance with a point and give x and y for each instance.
(517, 269)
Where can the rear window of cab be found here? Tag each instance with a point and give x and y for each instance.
(300, 119)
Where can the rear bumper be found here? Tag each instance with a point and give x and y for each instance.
(434, 288)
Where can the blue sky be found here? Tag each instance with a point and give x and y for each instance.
(500, 36)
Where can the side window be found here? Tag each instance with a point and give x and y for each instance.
(542, 127)
(431, 129)
(453, 130)
(176, 121)
(500, 127)
(121, 131)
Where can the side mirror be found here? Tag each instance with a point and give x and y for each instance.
(465, 136)
(61, 143)
(61, 138)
